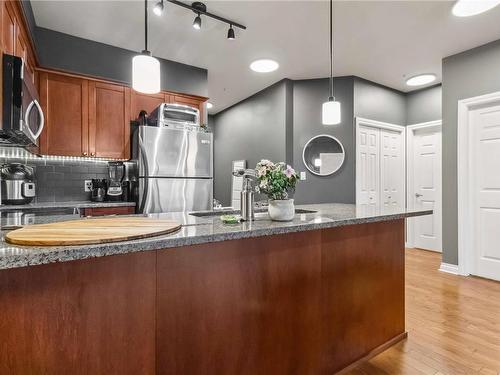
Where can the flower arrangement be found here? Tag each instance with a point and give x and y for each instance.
(276, 180)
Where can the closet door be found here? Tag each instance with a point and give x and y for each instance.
(368, 171)
(392, 169)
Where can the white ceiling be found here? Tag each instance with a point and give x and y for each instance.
(382, 41)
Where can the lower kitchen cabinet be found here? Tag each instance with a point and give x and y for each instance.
(103, 211)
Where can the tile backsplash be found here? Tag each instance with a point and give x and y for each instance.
(58, 179)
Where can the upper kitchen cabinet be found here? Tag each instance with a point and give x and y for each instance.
(15, 40)
(65, 105)
(147, 102)
(109, 120)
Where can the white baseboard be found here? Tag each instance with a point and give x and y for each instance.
(449, 268)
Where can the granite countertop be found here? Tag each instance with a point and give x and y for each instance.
(69, 204)
(199, 230)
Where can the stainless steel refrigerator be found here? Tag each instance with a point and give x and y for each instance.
(175, 169)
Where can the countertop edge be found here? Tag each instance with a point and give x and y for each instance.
(72, 253)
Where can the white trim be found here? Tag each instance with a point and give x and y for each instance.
(430, 125)
(449, 268)
(360, 121)
(465, 207)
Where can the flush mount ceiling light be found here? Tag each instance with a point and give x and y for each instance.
(145, 68)
(209, 105)
(264, 66)
(421, 79)
(467, 8)
(201, 10)
(331, 108)
(158, 9)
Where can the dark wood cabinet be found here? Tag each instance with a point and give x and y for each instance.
(8, 28)
(109, 120)
(103, 211)
(64, 102)
(147, 102)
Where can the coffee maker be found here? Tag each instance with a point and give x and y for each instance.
(116, 171)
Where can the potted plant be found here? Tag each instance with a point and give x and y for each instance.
(277, 181)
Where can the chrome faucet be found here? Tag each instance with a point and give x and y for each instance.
(247, 194)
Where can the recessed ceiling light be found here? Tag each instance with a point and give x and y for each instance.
(264, 66)
(467, 8)
(209, 105)
(421, 79)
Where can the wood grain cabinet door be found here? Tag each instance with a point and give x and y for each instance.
(8, 28)
(109, 120)
(147, 102)
(65, 105)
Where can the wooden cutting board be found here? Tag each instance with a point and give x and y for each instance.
(91, 231)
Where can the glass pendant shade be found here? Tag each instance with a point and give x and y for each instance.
(146, 74)
(331, 112)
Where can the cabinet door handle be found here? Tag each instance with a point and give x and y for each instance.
(84, 154)
(92, 154)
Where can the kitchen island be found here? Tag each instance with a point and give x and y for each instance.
(310, 296)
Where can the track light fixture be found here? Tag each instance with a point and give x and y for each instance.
(197, 22)
(158, 8)
(230, 33)
(201, 9)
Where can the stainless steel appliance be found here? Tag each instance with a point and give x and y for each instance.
(116, 170)
(17, 183)
(23, 119)
(175, 169)
(177, 116)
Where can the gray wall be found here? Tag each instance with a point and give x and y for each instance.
(308, 96)
(252, 130)
(377, 102)
(423, 105)
(62, 51)
(471, 73)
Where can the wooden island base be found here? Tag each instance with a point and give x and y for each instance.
(312, 302)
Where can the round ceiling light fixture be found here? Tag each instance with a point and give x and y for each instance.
(421, 79)
(468, 8)
(264, 66)
(209, 105)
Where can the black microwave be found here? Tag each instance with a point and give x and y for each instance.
(22, 116)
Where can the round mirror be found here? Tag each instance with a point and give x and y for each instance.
(323, 155)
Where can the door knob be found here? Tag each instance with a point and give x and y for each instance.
(418, 195)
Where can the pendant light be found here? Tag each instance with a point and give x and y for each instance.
(331, 108)
(145, 68)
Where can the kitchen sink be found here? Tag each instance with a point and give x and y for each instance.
(237, 212)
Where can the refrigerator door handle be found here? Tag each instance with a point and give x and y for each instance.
(146, 174)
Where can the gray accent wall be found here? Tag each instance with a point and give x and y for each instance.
(376, 102)
(308, 97)
(251, 130)
(465, 75)
(72, 54)
(423, 105)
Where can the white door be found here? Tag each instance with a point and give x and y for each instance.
(367, 172)
(425, 177)
(485, 168)
(392, 168)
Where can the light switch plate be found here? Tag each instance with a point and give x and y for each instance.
(88, 185)
(302, 176)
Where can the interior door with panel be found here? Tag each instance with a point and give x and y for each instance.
(367, 171)
(64, 102)
(109, 120)
(485, 194)
(425, 179)
(392, 168)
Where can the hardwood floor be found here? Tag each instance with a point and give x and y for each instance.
(453, 324)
